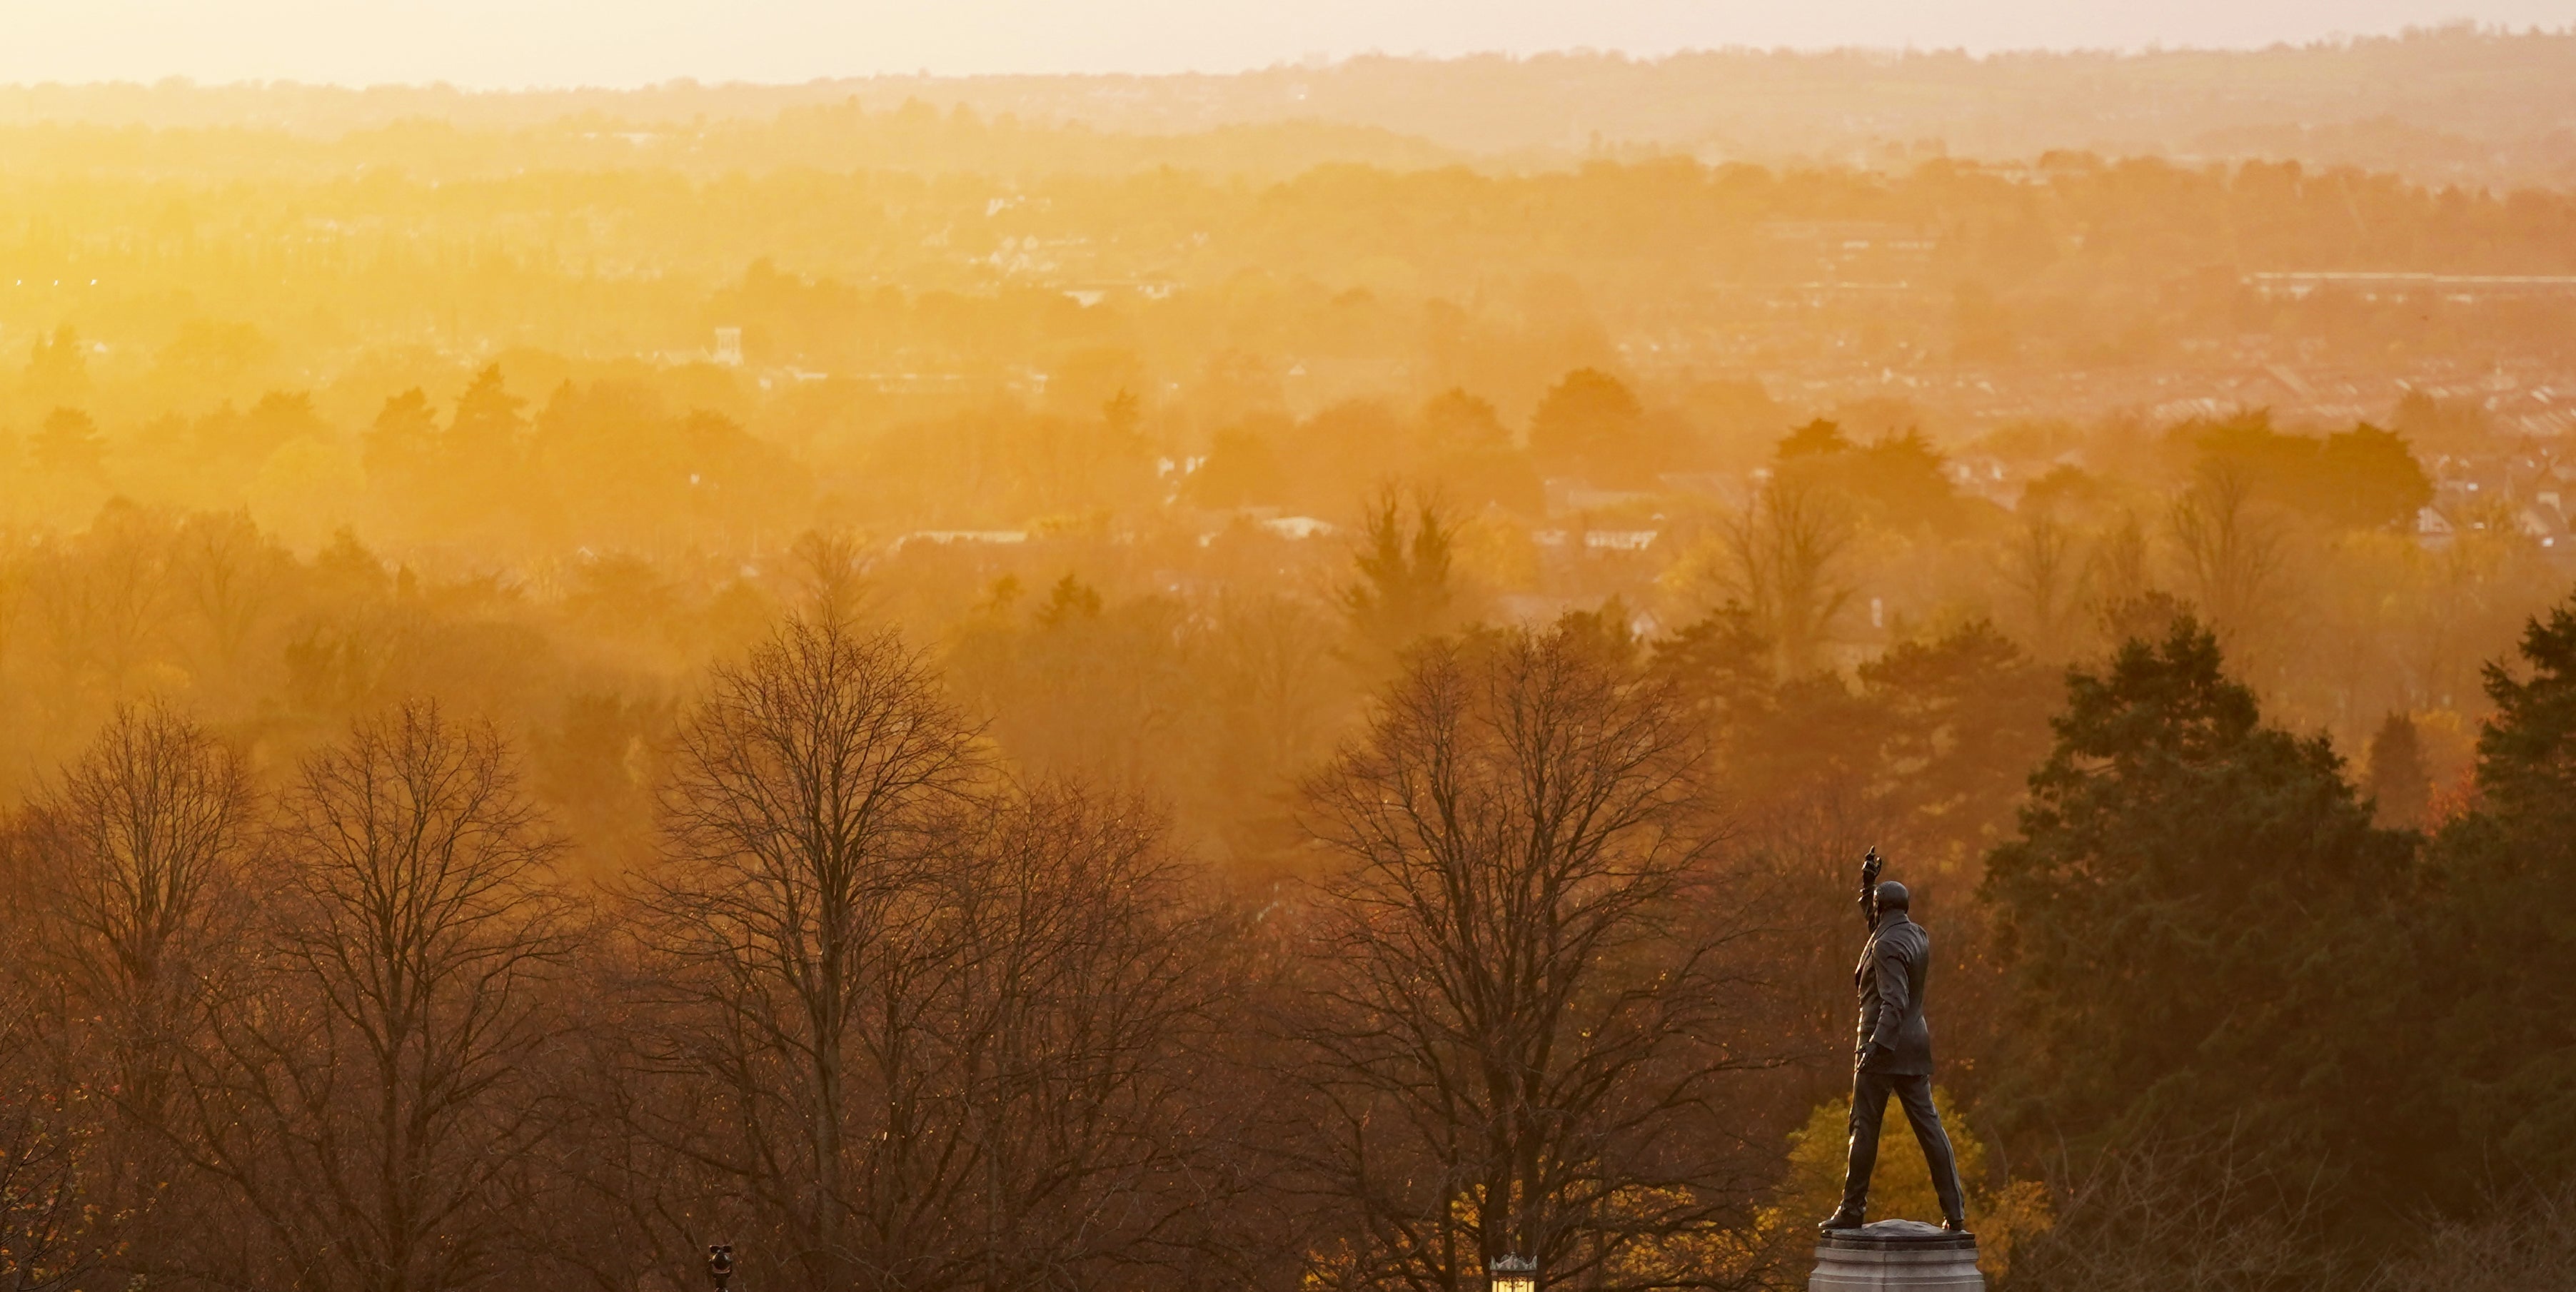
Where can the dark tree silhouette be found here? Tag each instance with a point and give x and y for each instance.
(367, 1089)
(1513, 1023)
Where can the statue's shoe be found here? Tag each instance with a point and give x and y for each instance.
(1956, 1225)
(1839, 1220)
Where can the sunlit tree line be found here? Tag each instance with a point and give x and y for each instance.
(889, 986)
(879, 1010)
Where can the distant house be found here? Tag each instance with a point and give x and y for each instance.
(1619, 540)
(1598, 540)
(1299, 527)
(945, 537)
(1568, 495)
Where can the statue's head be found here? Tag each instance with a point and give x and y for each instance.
(1892, 896)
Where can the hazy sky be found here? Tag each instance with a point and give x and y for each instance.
(626, 42)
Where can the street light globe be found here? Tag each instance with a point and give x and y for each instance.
(1512, 1274)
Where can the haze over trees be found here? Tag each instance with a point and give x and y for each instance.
(2450, 104)
(962, 701)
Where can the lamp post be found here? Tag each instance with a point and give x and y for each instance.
(720, 1264)
(1512, 1274)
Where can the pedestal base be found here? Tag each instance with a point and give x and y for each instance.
(1896, 1256)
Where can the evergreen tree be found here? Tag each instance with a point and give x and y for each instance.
(1963, 717)
(2497, 937)
(1406, 589)
(57, 368)
(488, 425)
(1591, 426)
(404, 438)
(2399, 785)
(1817, 439)
(69, 442)
(2192, 922)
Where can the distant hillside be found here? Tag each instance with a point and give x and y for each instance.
(913, 138)
(2447, 106)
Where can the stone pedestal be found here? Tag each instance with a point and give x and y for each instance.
(1896, 1256)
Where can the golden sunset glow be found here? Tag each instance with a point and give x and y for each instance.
(1130, 646)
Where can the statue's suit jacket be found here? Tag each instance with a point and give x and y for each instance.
(1890, 981)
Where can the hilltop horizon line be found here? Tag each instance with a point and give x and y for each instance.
(1879, 55)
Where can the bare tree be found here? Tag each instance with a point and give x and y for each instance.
(366, 1089)
(809, 789)
(931, 1028)
(1519, 1023)
(230, 574)
(102, 598)
(2121, 566)
(2204, 1213)
(2231, 554)
(15, 567)
(2042, 567)
(60, 1222)
(53, 1228)
(1277, 677)
(1068, 1001)
(2512, 1244)
(143, 842)
(1782, 558)
(832, 572)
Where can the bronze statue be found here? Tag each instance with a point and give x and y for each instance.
(1893, 1055)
